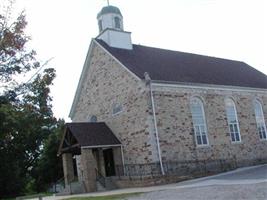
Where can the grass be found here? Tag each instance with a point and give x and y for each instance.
(109, 197)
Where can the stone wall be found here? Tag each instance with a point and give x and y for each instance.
(176, 128)
(107, 83)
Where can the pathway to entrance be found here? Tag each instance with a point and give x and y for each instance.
(243, 183)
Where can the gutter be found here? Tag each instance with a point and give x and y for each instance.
(148, 81)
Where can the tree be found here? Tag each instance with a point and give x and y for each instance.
(26, 117)
(23, 123)
(49, 166)
(15, 58)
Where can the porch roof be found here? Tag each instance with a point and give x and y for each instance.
(87, 135)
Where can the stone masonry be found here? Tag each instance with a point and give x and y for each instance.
(68, 168)
(176, 128)
(88, 166)
(107, 82)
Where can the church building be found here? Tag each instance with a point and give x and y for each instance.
(144, 115)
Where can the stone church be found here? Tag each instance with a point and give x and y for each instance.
(143, 115)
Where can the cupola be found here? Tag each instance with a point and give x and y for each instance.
(110, 24)
(110, 17)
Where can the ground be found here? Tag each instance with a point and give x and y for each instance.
(244, 183)
(247, 183)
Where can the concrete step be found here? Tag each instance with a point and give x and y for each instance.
(73, 188)
(65, 191)
(100, 187)
(111, 183)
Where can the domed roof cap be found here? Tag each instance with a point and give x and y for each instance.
(109, 9)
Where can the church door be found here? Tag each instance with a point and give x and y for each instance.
(109, 162)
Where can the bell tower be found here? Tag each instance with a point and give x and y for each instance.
(110, 24)
(110, 17)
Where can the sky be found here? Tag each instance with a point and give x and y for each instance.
(62, 30)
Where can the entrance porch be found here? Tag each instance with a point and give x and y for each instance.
(90, 152)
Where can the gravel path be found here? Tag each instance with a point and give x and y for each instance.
(245, 183)
(248, 183)
(218, 192)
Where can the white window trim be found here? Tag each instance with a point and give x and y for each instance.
(204, 124)
(257, 101)
(237, 122)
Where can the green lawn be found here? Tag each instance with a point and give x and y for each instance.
(110, 197)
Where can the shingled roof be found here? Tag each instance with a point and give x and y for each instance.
(174, 66)
(94, 134)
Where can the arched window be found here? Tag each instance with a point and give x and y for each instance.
(117, 22)
(199, 121)
(260, 120)
(232, 120)
(93, 118)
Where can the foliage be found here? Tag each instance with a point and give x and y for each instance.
(23, 122)
(49, 167)
(14, 56)
(29, 133)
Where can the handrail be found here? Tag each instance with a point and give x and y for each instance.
(100, 178)
(61, 180)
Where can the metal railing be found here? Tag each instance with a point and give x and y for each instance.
(175, 168)
(59, 182)
(100, 178)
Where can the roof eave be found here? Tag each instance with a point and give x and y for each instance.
(204, 86)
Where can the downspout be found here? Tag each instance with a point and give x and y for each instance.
(148, 81)
(122, 158)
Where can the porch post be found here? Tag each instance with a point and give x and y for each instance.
(88, 165)
(68, 168)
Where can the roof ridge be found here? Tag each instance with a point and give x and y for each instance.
(172, 65)
(196, 54)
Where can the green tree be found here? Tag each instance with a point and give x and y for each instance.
(49, 166)
(26, 117)
(15, 58)
(23, 122)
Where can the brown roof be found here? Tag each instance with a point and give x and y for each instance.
(92, 134)
(175, 66)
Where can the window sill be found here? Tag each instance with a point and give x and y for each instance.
(115, 114)
(203, 146)
(238, 142)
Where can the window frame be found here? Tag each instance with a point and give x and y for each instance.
(263, 124)
(115, 106)
(235, 126)
(117, 21)
(199, 128)
(93, 119)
